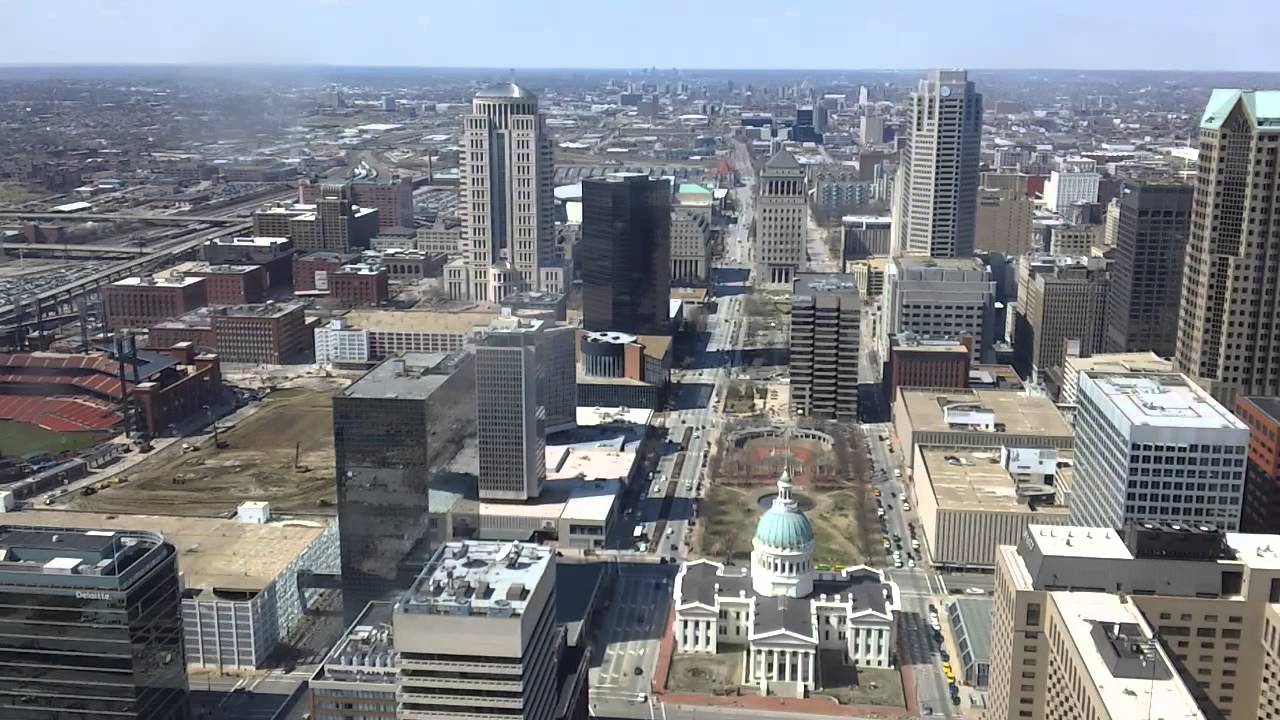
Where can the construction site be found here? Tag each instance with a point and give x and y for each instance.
(832, 487)
(279, 450)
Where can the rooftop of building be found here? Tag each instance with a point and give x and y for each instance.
(412, 376)
(1268, 406)
(783, 160)
(81, 549)
(1113, 639)
(479, 577)
(168, 280)
(366, 652)
(454, 322)
(973, 615)
(824, 284)
(201, 267)
(327, 256)
(1262, 106)
(977, 479)
(261, 241)
(1015, 412)
(1165, 400)
(912, 263)
(1074, 541)
(202, 317)
(869, 220)
(360, 268)
(876, 264)
(910, 342)
(1136, 362)
(507, 90)
(214, 554)
(702, 581)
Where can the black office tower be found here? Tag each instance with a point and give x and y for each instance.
(389, 427)
(626, 254)
(90, 626)
(1146, 277)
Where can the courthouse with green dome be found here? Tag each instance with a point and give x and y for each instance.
(781, 610)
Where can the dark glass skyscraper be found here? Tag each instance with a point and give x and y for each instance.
(387, 428)
(1146, 277)
(626, 254)
(90, 626)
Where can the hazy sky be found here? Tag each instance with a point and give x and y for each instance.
(1154, 34)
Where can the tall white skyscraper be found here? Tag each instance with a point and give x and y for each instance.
(937, 187)
(508, 217)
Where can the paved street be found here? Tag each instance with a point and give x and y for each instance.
(632, 628)
(920, 587)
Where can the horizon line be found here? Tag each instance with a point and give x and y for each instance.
(536, 68)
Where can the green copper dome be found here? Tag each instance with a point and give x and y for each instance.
(784, 529)
(784, 526)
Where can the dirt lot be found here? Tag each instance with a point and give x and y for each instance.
(861, 686)
(257, 464)
(718, 674)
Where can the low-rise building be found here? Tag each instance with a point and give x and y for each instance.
(314, 271)
(387, 333)
(617, 369)
(913, 362)
(274, 254)
(266, 333)
(978, 417)
(868, 276)
(360, 284)
(138, 302)
(361, 669)
(865, 236)
(442, 236)
(972, 499)
(241, 593)
(231, 284)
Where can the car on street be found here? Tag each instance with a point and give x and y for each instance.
(906, 506)
(911, 563)
(974, 591)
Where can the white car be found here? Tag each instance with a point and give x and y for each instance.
(897, 473)
(897, 564)
(906, 506)
(911, 563)
(974, 591)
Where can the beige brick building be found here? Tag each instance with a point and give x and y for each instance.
(1204, 594)
(1231, 284)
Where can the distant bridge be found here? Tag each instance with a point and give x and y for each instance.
(123, 217)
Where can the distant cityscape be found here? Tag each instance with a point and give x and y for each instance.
(361, 394)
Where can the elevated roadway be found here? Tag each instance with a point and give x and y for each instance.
(124, 217)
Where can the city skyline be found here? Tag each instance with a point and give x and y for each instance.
(939, 35)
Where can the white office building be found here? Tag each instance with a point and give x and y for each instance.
(476, 635)
(939, 298)
(338, 343)
(1156, 447)
(936, 192)
(1075, 180)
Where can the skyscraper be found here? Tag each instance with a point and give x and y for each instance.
(90, 626)
(782, 221)
(824, 347)
(1227, 330)
(937, 185)
(476, 635)
(388, 427)
(626, 254)
(524, 382)
(1155, 448)
(1152, 222)
(1003, 222)
(507, 209)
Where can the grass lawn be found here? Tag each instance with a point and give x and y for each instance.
(834, 530)
(727, 525)
(18, 439)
